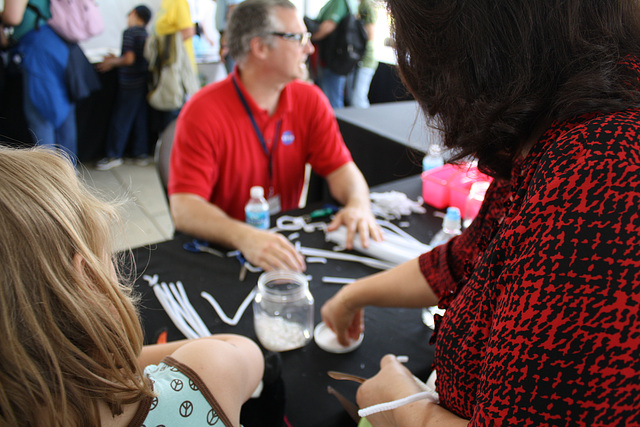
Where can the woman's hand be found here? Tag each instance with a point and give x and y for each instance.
(392, 382)
(346, 321)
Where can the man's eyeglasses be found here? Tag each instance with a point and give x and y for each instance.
(300, 38)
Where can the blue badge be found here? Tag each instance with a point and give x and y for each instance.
(287, 137)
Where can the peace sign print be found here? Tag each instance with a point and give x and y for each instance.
(212, 418)
(186, 409)
(176, 384)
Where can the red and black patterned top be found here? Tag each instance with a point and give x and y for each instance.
(543, 290)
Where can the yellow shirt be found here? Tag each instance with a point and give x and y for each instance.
(173, 16)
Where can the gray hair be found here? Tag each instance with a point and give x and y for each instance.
(252, 18)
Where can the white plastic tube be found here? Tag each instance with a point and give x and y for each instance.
(346, 257)
(393, 249)
(226, 319)
(394, 404)
(173, 315)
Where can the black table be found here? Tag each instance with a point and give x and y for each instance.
(387, 141)
(397, 331)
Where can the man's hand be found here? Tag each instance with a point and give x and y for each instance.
(270, 251)
(347, 186)
(357, 218)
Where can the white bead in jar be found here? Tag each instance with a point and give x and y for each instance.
(283, 311)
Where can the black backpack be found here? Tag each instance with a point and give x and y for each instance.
(344, 48)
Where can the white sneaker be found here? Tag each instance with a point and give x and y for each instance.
(108, 163)
(142, 160)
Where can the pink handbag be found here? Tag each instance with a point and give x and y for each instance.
(76, 20)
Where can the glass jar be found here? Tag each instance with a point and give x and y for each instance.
(283, 311)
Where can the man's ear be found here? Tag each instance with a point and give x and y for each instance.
(259, 48)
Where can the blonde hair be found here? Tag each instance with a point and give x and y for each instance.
(71, 333)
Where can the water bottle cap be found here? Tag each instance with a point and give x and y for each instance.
(256, 192)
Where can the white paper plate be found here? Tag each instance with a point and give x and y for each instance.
(326, 340)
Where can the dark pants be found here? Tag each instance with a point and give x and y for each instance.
(129, 118)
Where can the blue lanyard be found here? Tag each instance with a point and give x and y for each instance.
(256, 129)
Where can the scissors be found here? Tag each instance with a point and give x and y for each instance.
(197, 245)
(243, 266)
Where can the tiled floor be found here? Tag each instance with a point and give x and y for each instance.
(145, 212)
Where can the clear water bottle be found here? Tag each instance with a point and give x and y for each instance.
(451, 227)
(433, 159)
(257, 209)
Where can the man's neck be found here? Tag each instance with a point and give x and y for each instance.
(265, 94)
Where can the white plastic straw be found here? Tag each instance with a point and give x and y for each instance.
(175, 317)
(394, 404)
(337, 280)
(346, 257)
(226, 319)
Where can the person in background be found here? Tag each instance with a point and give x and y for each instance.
(542, 290)
(174, 16)
(260, 126)
(48, 110)
(332, 84)
(72, 350)
(359, 81)
(223, 11)
(129, 115)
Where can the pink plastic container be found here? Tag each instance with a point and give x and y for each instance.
(435, 185)
(460, 186)
(450, 186)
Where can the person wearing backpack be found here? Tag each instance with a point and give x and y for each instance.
(48, 110)
(129, 115)
(359, 80)
(331, 83)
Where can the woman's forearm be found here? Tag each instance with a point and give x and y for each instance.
(402, 286)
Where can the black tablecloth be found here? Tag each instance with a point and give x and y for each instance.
(397, 331)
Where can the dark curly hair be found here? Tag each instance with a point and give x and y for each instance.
(494, 71)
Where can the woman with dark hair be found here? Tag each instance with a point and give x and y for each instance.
(542, 291)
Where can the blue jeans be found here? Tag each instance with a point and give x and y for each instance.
(361, 85)
(129, 117)
(332, 85)
(44, 132)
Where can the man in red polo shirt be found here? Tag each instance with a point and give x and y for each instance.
(260, 126)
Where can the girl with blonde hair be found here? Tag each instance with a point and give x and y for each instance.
(72, 350)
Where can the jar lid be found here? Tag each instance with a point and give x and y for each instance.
(327, 340)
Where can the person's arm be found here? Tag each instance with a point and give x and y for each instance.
(348, 187)
(402, 286)
(188, 32)
(110, 62)
(230, 365)
(393, 382)
(13, 12)
(326, 27)
(196, 216)
(370, 29)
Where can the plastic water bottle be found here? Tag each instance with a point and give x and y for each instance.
(451, 227)
(257, 209)
(433, 159)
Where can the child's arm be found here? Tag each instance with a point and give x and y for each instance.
(109, 62)
(231, 366)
